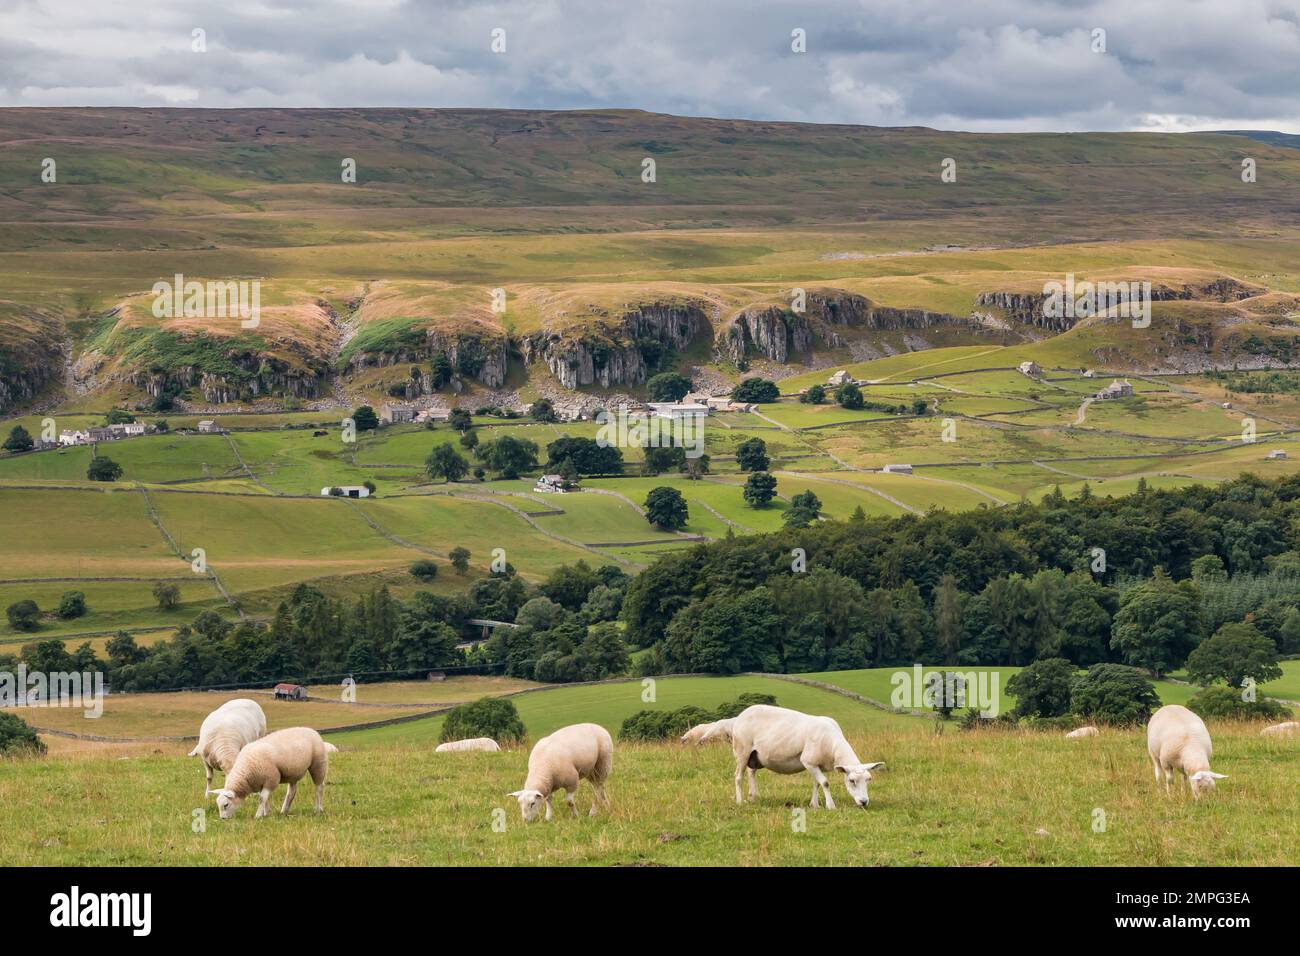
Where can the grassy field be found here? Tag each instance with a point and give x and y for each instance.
(979, 798)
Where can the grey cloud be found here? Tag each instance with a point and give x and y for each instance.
(996, 65)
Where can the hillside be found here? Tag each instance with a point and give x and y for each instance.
(606, 278)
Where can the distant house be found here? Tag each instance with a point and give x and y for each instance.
(436, 675)
(552, 484)
(898, 469)
(397, 414)
(678, 410)
(839, 378)
(1032, 369)
(102, 434)
(433, 415)
(1120, 388)
(209, 427)
(290, 692)
(1277, 454)
(41, 444)
(696, 398)
(128, 429)
(74, 437)
(1089, 373)
(345, 491)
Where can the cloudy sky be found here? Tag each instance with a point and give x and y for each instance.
(951, 64)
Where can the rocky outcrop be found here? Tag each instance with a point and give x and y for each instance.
(778, 332)
(479, 355)
(251, 376)
(1028, 307)
(612, 351)
(773, 331)
(30, 357)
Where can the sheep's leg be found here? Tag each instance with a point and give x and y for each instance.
(740, 771)
(814, 803)
(320, 795)
(1156, 763)
(549, 812)
(288, 797)
(753, 783)
(819, 780)
(207, 769)
(568, 798)
(599, 798)
(263, 806)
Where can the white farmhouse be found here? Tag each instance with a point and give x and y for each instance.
(345, 491)
(1032, 369)
(897, 469)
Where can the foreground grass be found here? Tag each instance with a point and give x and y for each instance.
(981, 798)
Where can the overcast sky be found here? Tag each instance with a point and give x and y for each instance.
(952, 64)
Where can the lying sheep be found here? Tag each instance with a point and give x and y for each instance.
(704, 733)
(1178, 740)
(225, 732)
(1284, 729)
(560, 761)
(472, 743)
(1085, 732)
(285, 756)
(787, 741)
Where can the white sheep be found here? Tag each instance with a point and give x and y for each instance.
(704, 733)
(225, 732)
(1285, 729)
(787, 741)
(1178, 740)
(560, 761)
(473, 743)
(285, 756)
(1084, 732)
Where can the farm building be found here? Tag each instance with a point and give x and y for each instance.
(1120, 388)
(676, 410)
(103, 434)
(74, 437)
(1277, 454)
(345, 491)
(1032, 369)
(290, 692)
(128, 429)
(433, 415)
(897, 469)
(1089, 373)
(839, 378)
(397, 414)
(553, 484)
(209, 427)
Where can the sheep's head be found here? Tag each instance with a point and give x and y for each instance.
(697, 735)
(856, 778)
(1203, 781)
(530, 803)
(227, 802)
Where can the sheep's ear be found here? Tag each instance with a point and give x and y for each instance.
(874, 766)
(842, 768)
(515, 794)
(1217, 776)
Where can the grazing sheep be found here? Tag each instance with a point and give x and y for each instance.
(1085, 732)
(1285, 729)
(704, 733)
(1178, 740)
(787, 741)
(472, 743)
(285, 756)
(225, 732)
(558, 762)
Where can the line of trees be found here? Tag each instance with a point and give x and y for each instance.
(1141, 580)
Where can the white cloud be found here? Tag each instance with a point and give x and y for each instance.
(997, 65)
